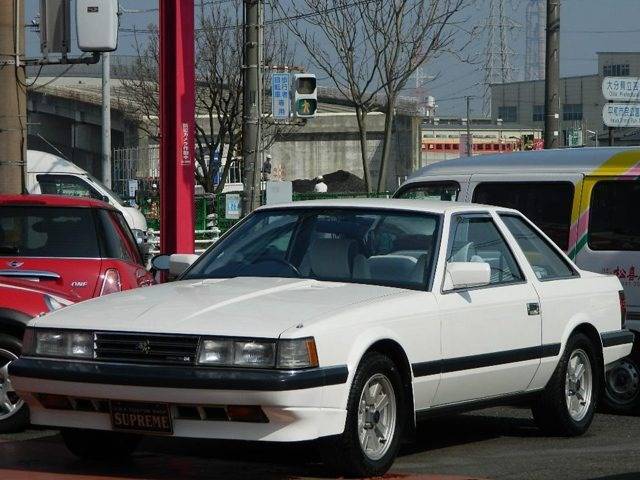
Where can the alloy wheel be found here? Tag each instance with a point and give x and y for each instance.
(10, 403)
(377, 412)
(579, 385)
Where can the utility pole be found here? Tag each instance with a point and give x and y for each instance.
(469, 142)
(251, 104)
(13, 92)
(106, 119)
(552, 78)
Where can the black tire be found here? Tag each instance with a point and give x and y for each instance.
(551, 412)
(344, 453)
(621, 393)
(18, 421)
(99, 444)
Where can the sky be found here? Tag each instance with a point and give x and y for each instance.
(587, 27)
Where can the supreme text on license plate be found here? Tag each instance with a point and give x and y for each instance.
(141, 417)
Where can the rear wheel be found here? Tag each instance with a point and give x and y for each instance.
(14, 413)
(98, 444)
(375, 421)
(568, 403)
(622, 386)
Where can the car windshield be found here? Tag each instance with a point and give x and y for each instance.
(110, 192)
(34, 231)
(380, 247)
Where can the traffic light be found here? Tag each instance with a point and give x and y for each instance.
(305, 95)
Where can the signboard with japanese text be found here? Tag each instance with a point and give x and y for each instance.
(621, 114)
(232, 208)
(621, 89)
(280, 102)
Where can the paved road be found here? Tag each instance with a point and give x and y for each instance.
(494, 444)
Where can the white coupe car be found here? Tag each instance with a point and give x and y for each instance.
(342, 321)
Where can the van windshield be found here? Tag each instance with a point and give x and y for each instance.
(110, 192)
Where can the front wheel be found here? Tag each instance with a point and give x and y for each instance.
(14, 413)
(376, 416)
(568, 403)
(622, 386)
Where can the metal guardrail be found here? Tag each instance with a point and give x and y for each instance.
(204, 239)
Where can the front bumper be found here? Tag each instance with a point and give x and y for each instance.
(300, 405)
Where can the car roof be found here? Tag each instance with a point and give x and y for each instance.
(578, 160)
(53, 201)
(426, 206)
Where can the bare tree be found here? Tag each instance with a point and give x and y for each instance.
(408, 34)
(370, 48)
(335, 36)
(219, 67)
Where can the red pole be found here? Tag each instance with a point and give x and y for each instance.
(177, 116)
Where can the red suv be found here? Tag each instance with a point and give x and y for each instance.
(55, 251)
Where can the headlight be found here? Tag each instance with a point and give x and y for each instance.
(59, 343)
(291, 354)
(239, 353)
(298, 353)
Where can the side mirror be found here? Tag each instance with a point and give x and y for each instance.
(161, 262)
(179, 262)
(466, 275)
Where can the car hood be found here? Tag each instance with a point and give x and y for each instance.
(241, 306)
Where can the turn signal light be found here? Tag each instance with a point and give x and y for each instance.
(246, 413)
(623, 307)
(111, 283)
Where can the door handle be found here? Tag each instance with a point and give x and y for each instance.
(533, 308)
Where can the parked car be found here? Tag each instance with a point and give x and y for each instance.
(582, 199)
(338, 320)
(54, 248)
(32, 300)
(53, 175)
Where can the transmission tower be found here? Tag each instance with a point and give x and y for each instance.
(499, 30)
(536, 16)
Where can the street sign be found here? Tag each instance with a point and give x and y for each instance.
(621, 114)
(621, 89)
(574, 138)
(232, 206)
(280, 102)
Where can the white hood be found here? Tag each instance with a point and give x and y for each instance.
(241, 306)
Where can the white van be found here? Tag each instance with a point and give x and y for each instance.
(50, 174)
(587, 200)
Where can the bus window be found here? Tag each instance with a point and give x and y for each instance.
(614, 221)
(447, 191)
(547, 204)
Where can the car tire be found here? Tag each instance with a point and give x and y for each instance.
(99, 444)
(622, 386)
(14, 413)
(567, 405)
(376, 410)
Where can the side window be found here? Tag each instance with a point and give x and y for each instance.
(126, 232)
(547, 264)
(547, 204)
(475, 238)
(446, 191)
(614, 222)
(66, 185)
(114, 241)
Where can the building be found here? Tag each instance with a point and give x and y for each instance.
(580, 97)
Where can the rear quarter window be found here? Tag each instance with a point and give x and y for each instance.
(547, 204)
(444, 191)
(614, 218)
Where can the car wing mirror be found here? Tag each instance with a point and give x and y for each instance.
(466, 275)
(161, 263)
(179, 262)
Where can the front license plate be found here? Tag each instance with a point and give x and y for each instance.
(141, 417)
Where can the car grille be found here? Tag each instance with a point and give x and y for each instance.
(146, 348)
